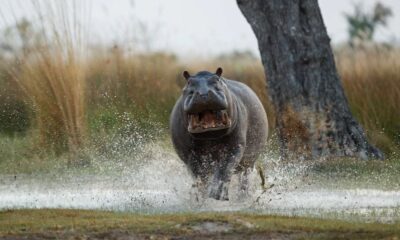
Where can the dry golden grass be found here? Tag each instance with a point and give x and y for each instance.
(132, 80)
(151, 83)
(371, 79)
(51, 73)
(55, 84)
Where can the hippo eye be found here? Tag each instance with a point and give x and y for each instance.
(213, 83)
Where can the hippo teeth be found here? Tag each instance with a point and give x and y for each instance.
(208, 121)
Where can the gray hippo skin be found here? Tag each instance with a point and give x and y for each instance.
(218, 127)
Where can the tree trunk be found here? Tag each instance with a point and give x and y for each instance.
(313, 117)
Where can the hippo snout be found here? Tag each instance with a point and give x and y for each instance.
(200, 102)
(207, 112)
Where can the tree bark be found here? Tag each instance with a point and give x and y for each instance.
(312, 113)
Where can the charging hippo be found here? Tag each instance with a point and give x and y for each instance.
(219, 128)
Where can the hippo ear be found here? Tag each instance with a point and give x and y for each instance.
(219, 72)
(186, 75)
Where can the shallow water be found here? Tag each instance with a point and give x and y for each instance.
(162, 184)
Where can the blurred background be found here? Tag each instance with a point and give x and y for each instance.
(88, 80)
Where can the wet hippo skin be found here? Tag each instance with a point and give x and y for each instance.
(218, 128)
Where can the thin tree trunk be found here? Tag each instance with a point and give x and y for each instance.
(313, 117)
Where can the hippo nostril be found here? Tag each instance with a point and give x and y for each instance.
(204, 96)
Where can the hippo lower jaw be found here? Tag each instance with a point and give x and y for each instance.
(209, 120)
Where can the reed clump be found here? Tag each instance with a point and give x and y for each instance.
(50, 71)
(55, 84)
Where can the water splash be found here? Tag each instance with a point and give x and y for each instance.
(160, 183)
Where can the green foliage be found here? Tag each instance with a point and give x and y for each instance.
(362, 25)
(15, 113)
(353, 173)
(20, 155)
(14, 116)
(13, 149)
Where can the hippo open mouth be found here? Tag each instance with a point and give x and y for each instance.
(208, 121)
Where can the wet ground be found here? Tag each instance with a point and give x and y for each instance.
(84, 224)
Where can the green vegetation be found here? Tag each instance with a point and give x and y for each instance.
(74, 223)
(363, 25)
(353, 173)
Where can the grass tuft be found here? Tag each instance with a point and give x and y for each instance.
(51, 73)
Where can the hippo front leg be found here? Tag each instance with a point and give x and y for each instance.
(223, 174)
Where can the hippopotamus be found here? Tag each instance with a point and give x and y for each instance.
(219, 128)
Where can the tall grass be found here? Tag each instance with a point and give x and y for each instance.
(371, 79)
(145, 84)
(51, 73)
(55, 85)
